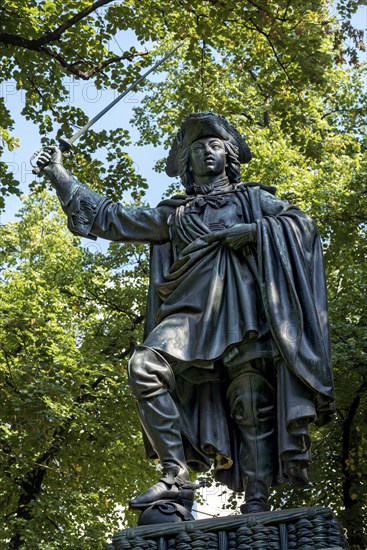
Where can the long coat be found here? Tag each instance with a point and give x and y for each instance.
(210, 307)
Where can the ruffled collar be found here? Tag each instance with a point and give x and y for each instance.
(219, 186)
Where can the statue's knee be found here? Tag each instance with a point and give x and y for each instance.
(251, 400)
(149, 373)
(136, 364)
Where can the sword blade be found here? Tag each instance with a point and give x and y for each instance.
(66, 143)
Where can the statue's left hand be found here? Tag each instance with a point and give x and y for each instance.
(236, 237)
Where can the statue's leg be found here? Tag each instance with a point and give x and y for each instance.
(252, 404)
(151, 379)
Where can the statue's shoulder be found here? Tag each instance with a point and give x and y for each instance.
(251, 185)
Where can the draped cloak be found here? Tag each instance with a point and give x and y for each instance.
(211, 307)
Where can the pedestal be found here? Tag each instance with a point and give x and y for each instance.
(296, 529)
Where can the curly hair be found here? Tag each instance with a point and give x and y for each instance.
(232, 168)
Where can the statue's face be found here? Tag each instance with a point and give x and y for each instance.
(208, 157)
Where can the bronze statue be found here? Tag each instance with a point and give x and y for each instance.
(235, 362)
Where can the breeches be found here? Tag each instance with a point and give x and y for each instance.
(262, 394)
(150, 373)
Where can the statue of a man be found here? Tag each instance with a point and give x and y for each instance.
(235, 363)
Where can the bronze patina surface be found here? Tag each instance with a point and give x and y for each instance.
(235, 363)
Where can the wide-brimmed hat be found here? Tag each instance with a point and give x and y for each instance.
(200, 125)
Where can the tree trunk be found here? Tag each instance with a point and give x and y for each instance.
(354, 514)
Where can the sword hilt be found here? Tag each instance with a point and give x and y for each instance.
(64, 146)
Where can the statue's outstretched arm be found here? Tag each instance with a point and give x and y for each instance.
(92, 215)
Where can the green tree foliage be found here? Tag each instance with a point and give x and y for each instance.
(287, 75)
(71, 450)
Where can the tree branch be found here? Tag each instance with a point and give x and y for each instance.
(95, 70)
(41, 44)
(346, 443)
(32, 483)
(283, 19)
(277, 57)
(134, 319)
(37, 43)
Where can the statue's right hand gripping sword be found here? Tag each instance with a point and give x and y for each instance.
(66, 144)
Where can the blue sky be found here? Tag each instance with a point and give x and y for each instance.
(92, 101)
(85, 95)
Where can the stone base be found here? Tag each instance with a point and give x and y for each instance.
(296, 529)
